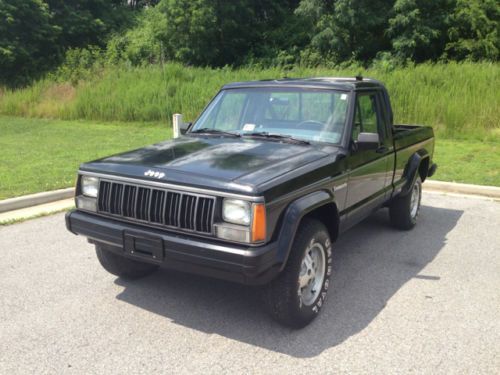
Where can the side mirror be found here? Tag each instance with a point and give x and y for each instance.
(368, 141)
(184, 127)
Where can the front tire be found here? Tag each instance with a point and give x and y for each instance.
(297, 295)
(123, 267)
(403, 211)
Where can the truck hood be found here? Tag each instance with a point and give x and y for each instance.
(228, 164)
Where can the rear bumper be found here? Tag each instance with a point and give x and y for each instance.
(247, 265)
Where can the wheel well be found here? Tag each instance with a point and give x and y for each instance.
(329, 216)
(423, 169)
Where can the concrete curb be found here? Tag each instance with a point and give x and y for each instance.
(36, 211)
(35, 199)
(467, 189)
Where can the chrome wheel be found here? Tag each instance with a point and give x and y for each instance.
(415, 200)
(312, 274)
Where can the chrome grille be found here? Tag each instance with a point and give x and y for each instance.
(157, 206)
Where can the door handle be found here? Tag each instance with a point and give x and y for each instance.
(381, 150)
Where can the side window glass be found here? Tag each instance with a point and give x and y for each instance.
(366, 119)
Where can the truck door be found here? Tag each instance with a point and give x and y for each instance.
(368, 167)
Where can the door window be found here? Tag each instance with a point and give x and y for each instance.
(366, 119)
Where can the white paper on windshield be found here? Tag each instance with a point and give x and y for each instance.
(248, 127)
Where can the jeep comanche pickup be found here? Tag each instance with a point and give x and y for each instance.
(258, 188)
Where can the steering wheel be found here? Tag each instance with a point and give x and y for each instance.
(315, 124)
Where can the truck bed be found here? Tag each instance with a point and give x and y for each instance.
(409, 134)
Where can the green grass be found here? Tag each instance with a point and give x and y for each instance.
(458, 100)
(461, 102)
(470, 162)
(40, 155)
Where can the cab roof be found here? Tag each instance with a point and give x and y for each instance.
(342, 83)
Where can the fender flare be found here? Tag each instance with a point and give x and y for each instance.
(292, 217)
(411, 170)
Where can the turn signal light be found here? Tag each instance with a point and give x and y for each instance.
(259, 222)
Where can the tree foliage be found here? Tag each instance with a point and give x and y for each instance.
(475, 30)
(418, 29)
(345, 30)
(202, 32)
(27, 40)
(87, 22)
(36, 34)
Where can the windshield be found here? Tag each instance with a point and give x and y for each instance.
(309, 114)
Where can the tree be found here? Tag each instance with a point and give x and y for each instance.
(208, 32)
(143, 43)
(205, 32)
(137, 4)
(418, 28)
(474, 33)
(27, 41)
(346, 30)
(190, 31)
(87, 22)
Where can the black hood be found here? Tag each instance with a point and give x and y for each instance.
(216, 162)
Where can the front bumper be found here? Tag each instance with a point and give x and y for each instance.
(247, 265)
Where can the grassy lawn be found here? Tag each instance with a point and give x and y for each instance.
(40, 155)
(467, 161)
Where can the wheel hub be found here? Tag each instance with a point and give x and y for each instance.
(312, 274)
(414, 202)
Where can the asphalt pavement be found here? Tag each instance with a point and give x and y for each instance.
(423, 301)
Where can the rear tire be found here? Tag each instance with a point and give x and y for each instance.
(297, 295)
(404, 210)
(123, 267)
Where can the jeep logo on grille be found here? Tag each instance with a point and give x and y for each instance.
(155, 174)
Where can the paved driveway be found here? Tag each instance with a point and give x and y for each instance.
(427, 301)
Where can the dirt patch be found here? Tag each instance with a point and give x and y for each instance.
(64, 92)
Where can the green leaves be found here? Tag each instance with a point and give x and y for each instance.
(27, 41)
(474, 33)
(35, 35)
(418, 29)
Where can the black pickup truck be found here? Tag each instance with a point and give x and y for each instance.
(258, 188)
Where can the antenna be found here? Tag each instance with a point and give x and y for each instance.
(359, 77)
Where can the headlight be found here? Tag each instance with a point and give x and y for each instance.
(90, 186)
(86, 203)
(253, 216)
(236, 211)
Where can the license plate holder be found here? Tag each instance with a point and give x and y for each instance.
(143, 246)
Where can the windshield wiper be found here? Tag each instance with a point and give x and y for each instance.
(278, 137)
(213, 131)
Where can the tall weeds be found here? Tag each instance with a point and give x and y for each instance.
(459, 100)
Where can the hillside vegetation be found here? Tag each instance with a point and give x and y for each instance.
(37, 36)
(83, 79)
(460, 100)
